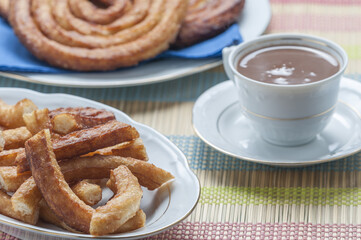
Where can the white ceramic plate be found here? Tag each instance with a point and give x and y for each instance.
(253, 22)
(164, 207)
(218, 120)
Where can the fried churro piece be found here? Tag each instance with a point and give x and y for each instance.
(108, 150)
(133, 149)
(66, 120)
(8, 157)
(10, 179)
(91, 139)
(89, 193)
(148, 174)
(48, 215)
(99, 166)
(7, 210)
(135, 222)
(122, 207)
(25, 201)
(102, 182)
(65, 123)
(67, 206)
(4, 8)
(15, 138)
(37, 120)
(11, 116)
(89, 116)
(51, 183)
(21, 162)
(87, 140)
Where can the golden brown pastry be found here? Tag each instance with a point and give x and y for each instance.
(86, 10)
(67, 206)
(87, 140)
(75, 35)
(4, 8)
(67, 172)
(66, 120)
(26, 198)
(206, 19)
(11, 116)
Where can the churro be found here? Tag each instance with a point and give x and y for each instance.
(87, 140)
(11, 116)
(46, 28)
(56, 176)
(206, 19)
(10, 179)
(37, 120)
(16, 137)
(66, 120)
(67, 206)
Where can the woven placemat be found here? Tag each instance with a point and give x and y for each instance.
(240, 199)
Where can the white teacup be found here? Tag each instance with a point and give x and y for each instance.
(286, 115)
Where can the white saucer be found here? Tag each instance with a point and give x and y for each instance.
(218, 121)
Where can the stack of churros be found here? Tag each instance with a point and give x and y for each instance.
(54, 164)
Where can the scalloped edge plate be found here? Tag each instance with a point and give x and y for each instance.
(174, 201)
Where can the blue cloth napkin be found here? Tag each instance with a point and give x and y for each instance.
(15, 57)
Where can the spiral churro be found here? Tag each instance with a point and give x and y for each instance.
(46, 28)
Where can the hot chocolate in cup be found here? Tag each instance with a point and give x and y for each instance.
(287, 84)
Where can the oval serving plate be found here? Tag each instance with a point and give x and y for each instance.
(164, 207)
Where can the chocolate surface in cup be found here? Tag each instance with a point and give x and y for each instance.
(288, 65)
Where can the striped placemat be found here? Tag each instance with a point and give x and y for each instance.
(240, 199)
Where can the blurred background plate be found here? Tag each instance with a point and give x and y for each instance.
(253, 21)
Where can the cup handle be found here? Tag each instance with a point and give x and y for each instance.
(225, 58)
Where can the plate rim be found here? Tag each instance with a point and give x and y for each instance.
(21, 76)
(124, 83)
(260, 161)
(140, 126)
